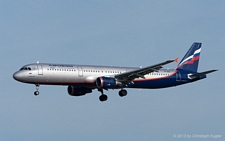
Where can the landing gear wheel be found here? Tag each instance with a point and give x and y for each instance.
(36, 93)
(122, 93)
(103, 97)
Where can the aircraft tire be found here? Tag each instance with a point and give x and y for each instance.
(122, 93)
(103, 97)
(36, 93)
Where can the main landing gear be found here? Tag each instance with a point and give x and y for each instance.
(122, 93)
(104, 97)
(36, 92)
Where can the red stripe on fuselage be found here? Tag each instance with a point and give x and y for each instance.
(62, 83)
(102, 80)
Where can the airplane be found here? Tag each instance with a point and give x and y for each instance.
(82, 79)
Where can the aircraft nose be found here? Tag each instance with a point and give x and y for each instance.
(17, 76)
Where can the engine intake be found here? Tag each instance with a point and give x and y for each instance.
(74, 91)
(105, 82)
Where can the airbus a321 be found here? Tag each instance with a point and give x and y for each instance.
(83, 79)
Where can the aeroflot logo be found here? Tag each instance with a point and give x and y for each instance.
(61, 65)
(192, 58)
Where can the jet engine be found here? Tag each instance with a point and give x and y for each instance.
(78, 91)
(106, 82)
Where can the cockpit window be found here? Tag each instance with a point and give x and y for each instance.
(25, 68)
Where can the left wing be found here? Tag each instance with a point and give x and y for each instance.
(129, 76)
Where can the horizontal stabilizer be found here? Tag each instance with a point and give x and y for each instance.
(200, 74)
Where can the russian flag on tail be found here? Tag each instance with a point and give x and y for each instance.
(191, 58)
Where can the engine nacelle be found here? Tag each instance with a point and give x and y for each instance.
(74, 91)
(105, 82)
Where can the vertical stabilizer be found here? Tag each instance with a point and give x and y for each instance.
(191, 58)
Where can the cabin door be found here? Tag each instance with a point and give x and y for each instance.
(40, 69)
(80, 71)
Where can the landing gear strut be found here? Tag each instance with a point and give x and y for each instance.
(36, 92)
(122, 93)
(102, 97)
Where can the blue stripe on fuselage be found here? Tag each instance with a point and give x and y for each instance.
(155, 83)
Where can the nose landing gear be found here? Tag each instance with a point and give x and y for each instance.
(36, 92)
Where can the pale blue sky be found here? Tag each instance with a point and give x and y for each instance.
(117, 33)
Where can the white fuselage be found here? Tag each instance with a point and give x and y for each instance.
(61, 74)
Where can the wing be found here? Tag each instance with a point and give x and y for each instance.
(129, 76)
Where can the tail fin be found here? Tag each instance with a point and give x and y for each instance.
(191, 58)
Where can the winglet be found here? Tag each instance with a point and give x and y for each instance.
(176, 60)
